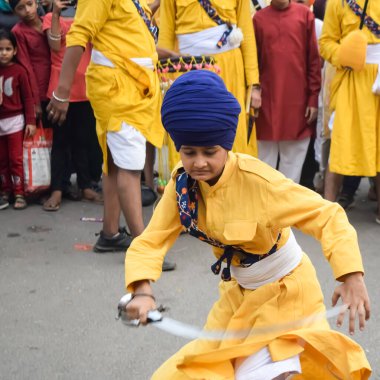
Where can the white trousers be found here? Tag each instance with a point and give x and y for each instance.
(260, 366)
(291, 154)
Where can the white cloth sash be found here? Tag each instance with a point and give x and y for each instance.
(270, 269)
(373, 57)
(204, 42)
(100, 59)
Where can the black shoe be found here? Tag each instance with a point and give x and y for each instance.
(3, 203)
(346, 201)
(118, 243)
(168, 266)
(148, 196)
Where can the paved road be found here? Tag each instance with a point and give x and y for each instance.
(57, 304)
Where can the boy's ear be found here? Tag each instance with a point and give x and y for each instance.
(15, 51)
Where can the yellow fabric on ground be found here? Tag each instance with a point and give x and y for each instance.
(128, 93)
(355, 144)
(253, 223)
(239, 67)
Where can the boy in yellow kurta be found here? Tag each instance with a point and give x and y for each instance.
(245, 209)
(355, 97)
(186, 24)
(124, 91)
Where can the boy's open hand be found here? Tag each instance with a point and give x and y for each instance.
(354, 294)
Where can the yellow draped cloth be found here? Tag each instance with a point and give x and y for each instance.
(355, 139)
(230, 214)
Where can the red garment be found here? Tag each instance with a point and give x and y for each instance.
(11, 163)
(34, 54)
(290, 71)
(78, 89)
(17, 97)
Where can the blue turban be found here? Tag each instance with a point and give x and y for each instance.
(199, 111)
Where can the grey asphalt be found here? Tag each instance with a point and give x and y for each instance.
(58, 303)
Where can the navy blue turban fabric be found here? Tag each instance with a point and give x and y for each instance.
(199, 111)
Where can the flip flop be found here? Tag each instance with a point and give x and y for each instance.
(50, 206)
(377, 220)
(20, 203)
(95, 198)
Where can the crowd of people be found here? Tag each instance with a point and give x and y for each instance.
(298, 90)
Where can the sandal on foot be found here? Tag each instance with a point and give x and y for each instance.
(51, 206)
(20, 203)
(93, 197)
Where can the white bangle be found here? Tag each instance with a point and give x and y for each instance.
(54, 37)
(60, 100)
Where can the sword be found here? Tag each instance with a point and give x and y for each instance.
(187, 331)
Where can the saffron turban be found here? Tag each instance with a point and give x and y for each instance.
(199, 111)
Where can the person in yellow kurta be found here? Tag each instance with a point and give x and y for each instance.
(124, 91)
(187, 25)
(245, 210)
(355, 91)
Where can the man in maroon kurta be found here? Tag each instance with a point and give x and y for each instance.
(290, 77)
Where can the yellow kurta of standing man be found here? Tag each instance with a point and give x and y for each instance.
(252, 219)
(239, 66)
(127, 93)
(355, 143)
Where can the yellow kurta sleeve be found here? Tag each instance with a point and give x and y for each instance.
(329, 41)
(248, 46)
(167, 35)
(289, 204)
(146, 254)
(90, 17)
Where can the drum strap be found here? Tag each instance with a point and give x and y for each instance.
(366, 20)
(213, 14)
(148, 22)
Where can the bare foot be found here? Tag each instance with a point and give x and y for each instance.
(90, 195)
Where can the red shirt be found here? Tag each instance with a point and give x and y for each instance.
(78, 88)
(17, 97)
(290, 71)
(34, 54)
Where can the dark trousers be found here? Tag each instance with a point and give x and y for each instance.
(11, 163)
(73, 142)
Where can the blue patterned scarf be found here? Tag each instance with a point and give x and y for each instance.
(369, 22)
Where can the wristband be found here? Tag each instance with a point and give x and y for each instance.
(60, 100)
(134, 295)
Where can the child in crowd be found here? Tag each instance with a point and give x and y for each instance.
(268, 281)
(77, 137)
(16, 110)
(33, 51)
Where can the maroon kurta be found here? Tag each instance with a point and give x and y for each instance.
(290, 72)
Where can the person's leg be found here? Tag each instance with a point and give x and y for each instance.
(377, 186)
(149, 165)
(292, 158)
(310, 167)
(5, 177)
(268, 152)
(16, 167)
(333, 184)
(349, 187)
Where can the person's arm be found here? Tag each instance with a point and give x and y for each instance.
(24, 59)
(329, 42)
(313, 71)
(28, 103)
(167, 37)
(145, 256)
(89, 20)
(154, 6)
(289, 204)
(248, 45)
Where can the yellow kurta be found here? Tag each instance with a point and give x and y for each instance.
(271, 203)
(355, 144)
(127, 93)
(239, 67)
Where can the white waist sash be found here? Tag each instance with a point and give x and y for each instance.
(204, 42)
(100, 59)
(373, 57)
(270, 269)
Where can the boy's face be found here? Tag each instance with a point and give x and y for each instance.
(307, 3)
(280, 4)
(204, 163)
(26, 10)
